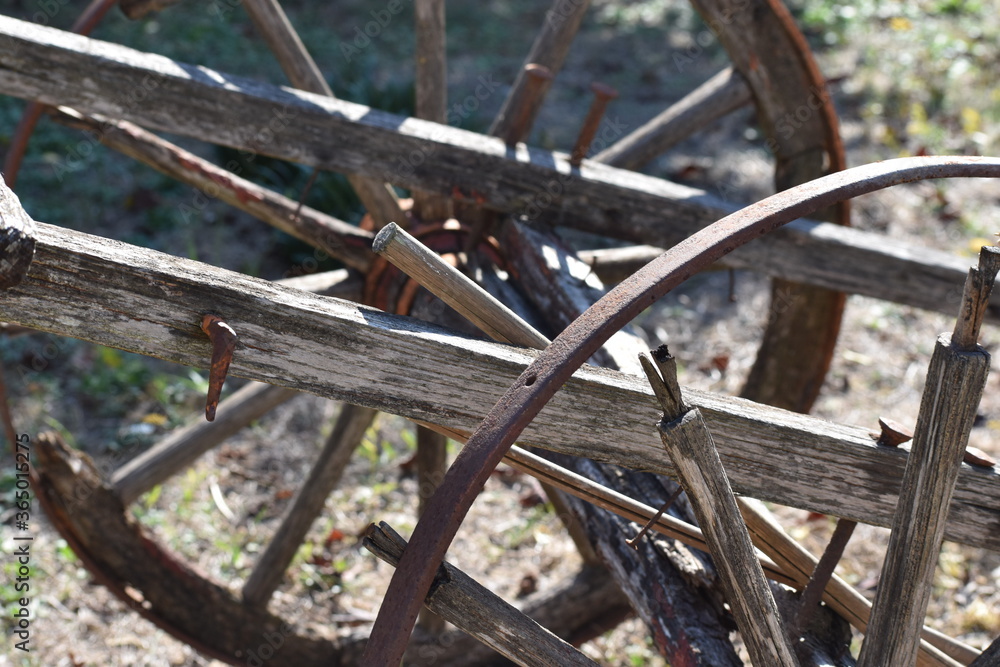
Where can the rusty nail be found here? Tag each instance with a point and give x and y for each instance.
(602, 95)
(977, 457)
(893, 433)
(223, 345)
(537, 77)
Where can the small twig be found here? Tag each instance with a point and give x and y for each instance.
(305, 193)
(634, 542)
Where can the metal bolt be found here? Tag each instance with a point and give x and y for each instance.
(537, 79)
(893, 433)
(602, 95)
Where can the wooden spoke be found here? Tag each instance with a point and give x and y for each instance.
(719, 96)
(339, 239)
(183, 446)
(431, 84)
(549, 50)
(348, 430)
(272, 22)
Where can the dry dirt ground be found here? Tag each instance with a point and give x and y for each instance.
(878, 369)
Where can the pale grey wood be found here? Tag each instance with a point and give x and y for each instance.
(348, 430)
(975, 299)
(955, 382)
(471, 607)
(337, 238)
(279, 34)
(183, 446)
(17, 238)
(550, 48)
(58, 68)
(722, 94)
(687, 439)
(455, 288)
(150, 303)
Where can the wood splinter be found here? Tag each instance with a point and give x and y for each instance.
(224, 341)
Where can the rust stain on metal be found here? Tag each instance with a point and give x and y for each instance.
(221, 179)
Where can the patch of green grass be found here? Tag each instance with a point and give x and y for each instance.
(926, 70)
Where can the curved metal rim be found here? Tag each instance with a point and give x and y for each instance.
(542, 379)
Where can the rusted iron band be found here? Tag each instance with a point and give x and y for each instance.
(554, 365)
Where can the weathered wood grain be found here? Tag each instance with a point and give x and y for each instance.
(153, 91)
(479, 612)
(936, 649)
(956, 378)
(690, 446)
(147, 302)
(689, 443)
(580, 607)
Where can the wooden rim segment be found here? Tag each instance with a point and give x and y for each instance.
(797, 115)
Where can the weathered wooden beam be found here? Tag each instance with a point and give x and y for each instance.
(956, 378)
(150, 303)
(59, 68)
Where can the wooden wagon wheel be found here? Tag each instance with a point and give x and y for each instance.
(812, 151)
